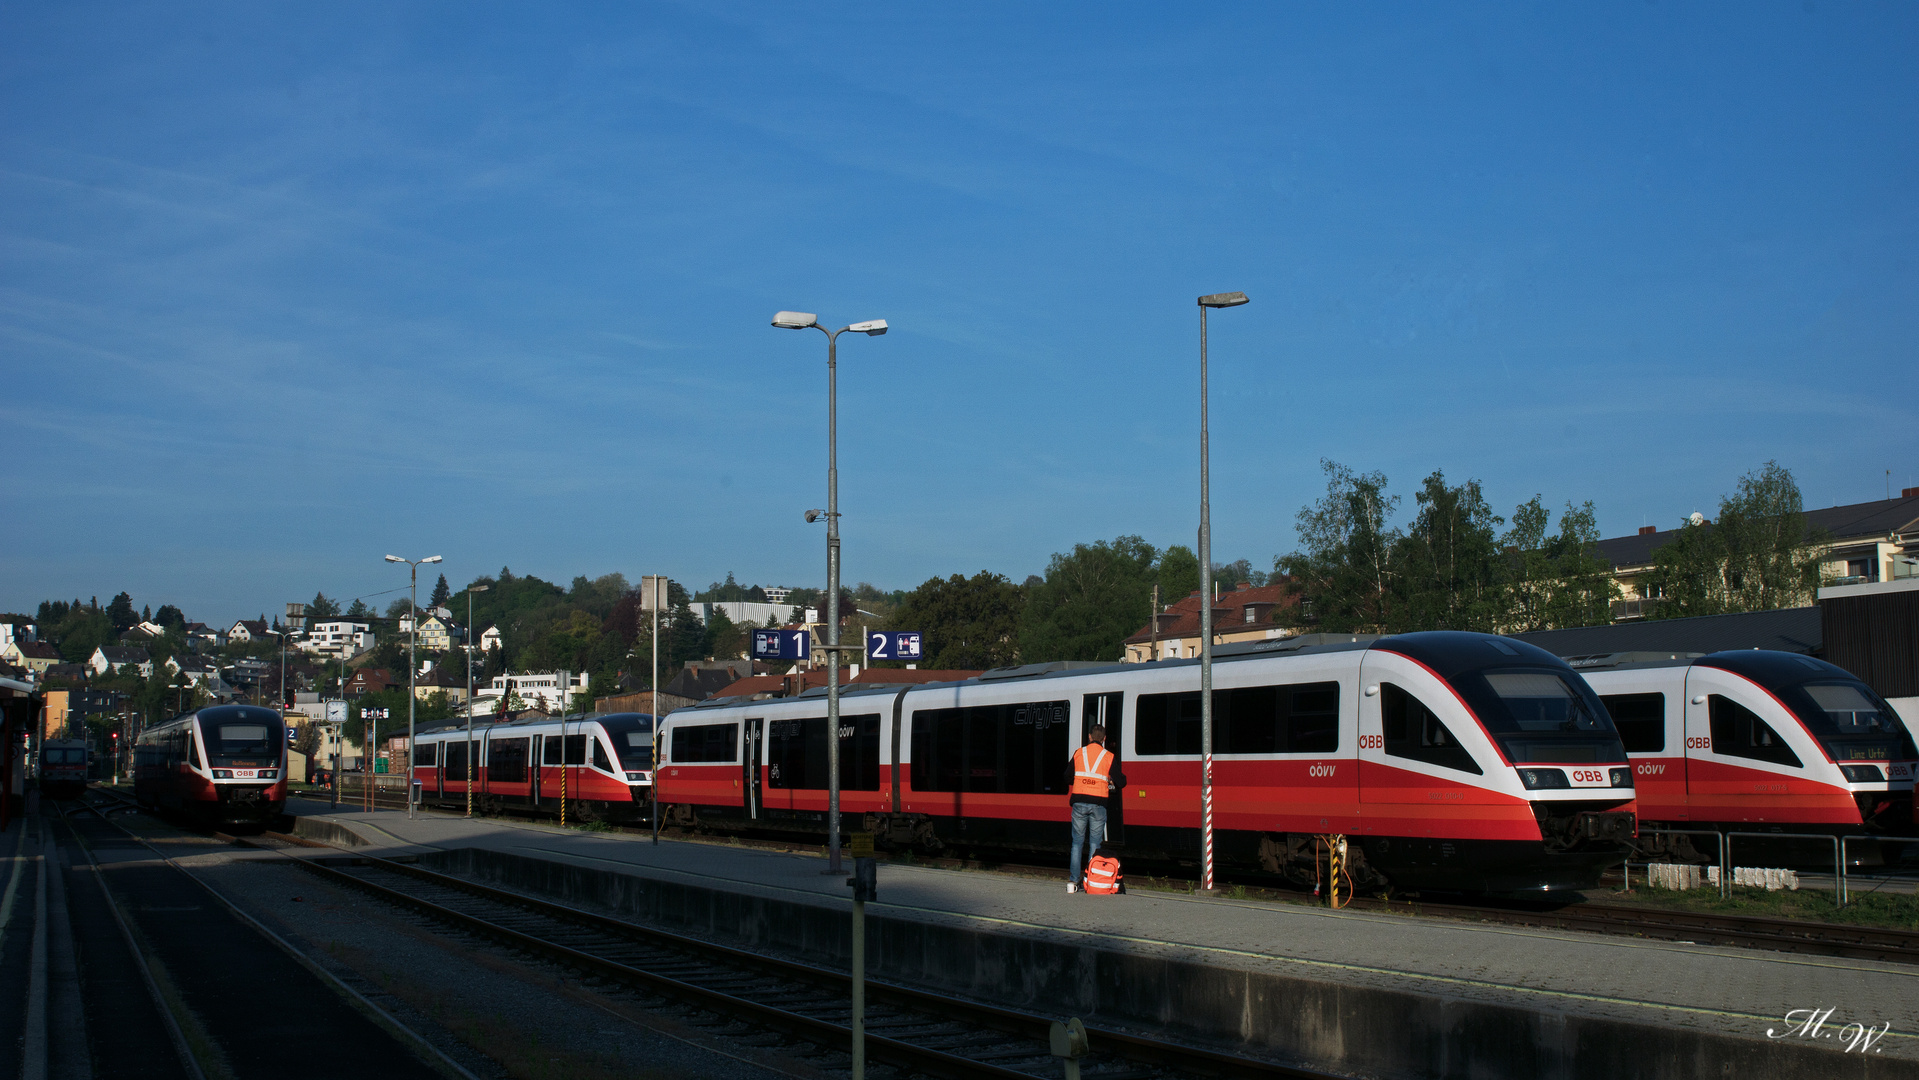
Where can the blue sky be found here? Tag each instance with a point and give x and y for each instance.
(287, 287)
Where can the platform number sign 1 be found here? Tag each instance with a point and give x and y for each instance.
(893, 645)
(782, 644)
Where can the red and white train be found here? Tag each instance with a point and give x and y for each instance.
(601, 765)
(1756, 740)
(63, 768)
(1450, 760)
(220, 764)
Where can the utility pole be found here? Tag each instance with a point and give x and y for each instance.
(1232, 299)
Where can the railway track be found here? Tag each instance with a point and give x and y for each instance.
(916, 1032)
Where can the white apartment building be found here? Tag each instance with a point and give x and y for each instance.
(550, 691)
(337, 638)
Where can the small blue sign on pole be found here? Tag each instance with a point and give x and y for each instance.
(782, 644)
(894, 645)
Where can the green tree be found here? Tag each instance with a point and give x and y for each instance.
(1177, 574)
(725, 640)
(170, 617)
(358, 609)
(1089, 601)
(120, 612)
(321, 607)
(1555, 580)
(1758, 556)
(1448, 562)
(440, 593)
(969, 623)
(1344, 568)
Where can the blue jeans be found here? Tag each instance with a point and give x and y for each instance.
(1089, 832)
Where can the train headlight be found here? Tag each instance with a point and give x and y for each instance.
(1863, 774)
(1622, 777)
(223, 774)
(269, 774)
(636, 778)
(1535, 779)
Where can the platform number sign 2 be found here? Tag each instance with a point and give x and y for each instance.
(894, 645)
(782, 644)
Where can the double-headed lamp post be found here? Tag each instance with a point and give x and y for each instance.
(1216, 300)
(412, 665)
(801, 320)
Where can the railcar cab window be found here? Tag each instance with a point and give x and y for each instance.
(632, 735)
(1541, 717)
(1415, 732)
(1850, 721)
(796, 753)
(1739, 732)
(695, 744)
(1301, 718)
(1015, 749)
(1641, 720)
(240, 736)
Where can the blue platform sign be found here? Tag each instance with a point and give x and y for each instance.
(782, 644)
(894, 645)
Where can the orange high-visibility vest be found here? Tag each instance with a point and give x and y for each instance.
(1090, 765)
(1102, 874)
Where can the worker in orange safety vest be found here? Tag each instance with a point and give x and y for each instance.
(1093, 777)
(1102, 874)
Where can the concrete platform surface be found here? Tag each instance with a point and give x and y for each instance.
(1723, 991)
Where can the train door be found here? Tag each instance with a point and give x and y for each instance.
(1741, 765)
(439, 755)
(538, 769)
(750, 767)
(1106, 710)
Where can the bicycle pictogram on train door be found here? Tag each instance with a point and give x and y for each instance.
(750, 768)
(1105, 710)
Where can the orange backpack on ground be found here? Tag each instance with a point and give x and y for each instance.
(1102, 874)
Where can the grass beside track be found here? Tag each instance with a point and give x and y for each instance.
(1890, 911)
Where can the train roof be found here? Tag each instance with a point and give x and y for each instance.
(442, 726)
(1446, 651)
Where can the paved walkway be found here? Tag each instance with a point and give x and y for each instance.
(1725, 990)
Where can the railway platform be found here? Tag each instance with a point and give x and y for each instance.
(1350, 992)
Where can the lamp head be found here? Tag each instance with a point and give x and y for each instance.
(478, 588)
(795, 320)
(871, 327)
(431, 558)
(1223, 299)
(813, 515)
(394, 558)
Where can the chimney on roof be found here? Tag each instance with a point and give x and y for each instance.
(1648, 530)
(1907, 493)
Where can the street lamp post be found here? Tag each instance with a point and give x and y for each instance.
(470, 590)
(800, 320)
(1216, 300)
(412, 665)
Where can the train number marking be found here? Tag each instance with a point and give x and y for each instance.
(1321, 770)
(1698, 742)
(1438, 796)
(1371, 742)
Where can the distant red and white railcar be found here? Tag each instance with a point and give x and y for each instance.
(601, 765)
(218, 765)
(1449, 760)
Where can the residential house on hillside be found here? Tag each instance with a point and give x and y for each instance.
(34, 656)
(490, 639)
(67, 672)
(202, 672)
(109, 658)
(142, 635)
(371, 681)
(1243, 614)
(439, 635)
(202, 637)
(248, 630)
(550, 692)
(338, 638)
(438, 680)
(1864, 542)
(11, 632)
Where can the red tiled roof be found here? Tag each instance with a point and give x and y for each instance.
(1229, 612)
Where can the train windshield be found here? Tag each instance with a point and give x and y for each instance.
(1540, 716)
(63, 755)
(1850, 721)
(635, 748)
(232, 741)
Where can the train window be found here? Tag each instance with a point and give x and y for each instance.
(506, 761)
(635, 749)
(575, 750)
(1739, 732)
(193, 748)
(599, 756)
(1296, 719)
(1641, 720)
(426, 753)
(796, 753)
(697, 743)
(1414, 731)
(1018, 749)
(456, 761)
(1539, 716)
(229, 741)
